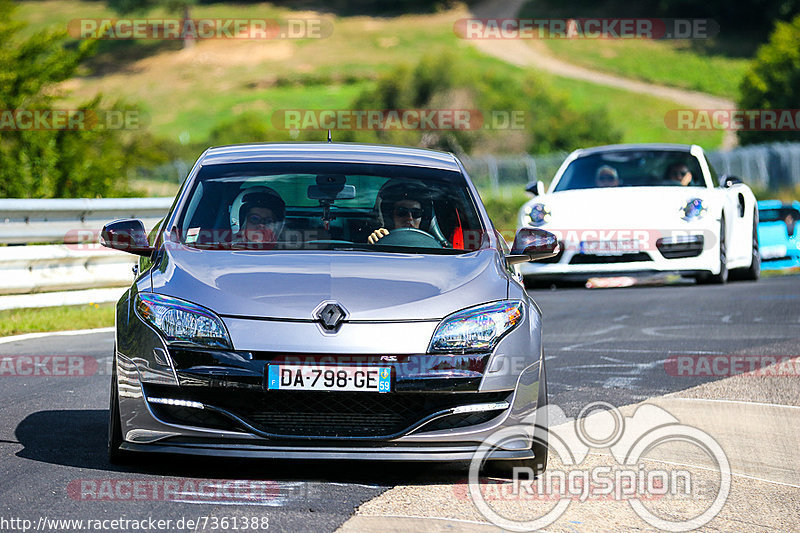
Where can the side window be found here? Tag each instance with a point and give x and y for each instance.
(714, 177)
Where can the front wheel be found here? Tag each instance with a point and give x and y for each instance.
(116, 455)
(753, 272)
(722, 276)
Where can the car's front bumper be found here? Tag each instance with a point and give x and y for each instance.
(148, 427)
(573, 264)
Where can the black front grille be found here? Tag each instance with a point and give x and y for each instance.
(326, 414)
(593, 259)
(677, 250)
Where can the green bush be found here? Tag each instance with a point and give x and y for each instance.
(47, 163)
(773, 80)
(442, 81)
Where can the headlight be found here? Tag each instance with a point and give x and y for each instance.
(694, 209)
(182, 322)
(477, 329)
(536, 215)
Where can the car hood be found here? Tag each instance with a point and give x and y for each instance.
(631, 207)
(292, 284)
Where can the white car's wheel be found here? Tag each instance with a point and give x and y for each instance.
(722, 276)
(753, 272)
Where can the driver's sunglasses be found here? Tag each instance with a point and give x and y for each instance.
(401, 212)
(256, 220)
(679, 173)
(606, 177)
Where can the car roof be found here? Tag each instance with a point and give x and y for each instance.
(330, 153)
(635, 147)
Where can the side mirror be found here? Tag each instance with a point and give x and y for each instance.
(127, 236)
(729, 181)
(536, 188)
(532, 244)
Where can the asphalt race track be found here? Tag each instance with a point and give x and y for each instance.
(609, 344)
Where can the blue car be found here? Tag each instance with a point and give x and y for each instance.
(778, 230)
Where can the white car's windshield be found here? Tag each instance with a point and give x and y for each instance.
(626, 168)
(332, 206)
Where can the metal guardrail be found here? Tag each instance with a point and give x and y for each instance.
(71, 220)
(767, 166)
(76, 261)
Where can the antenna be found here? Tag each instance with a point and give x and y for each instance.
(330, 140)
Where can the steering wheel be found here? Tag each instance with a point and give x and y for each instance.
(410, 237)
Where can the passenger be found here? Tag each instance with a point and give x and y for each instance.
(261, 217)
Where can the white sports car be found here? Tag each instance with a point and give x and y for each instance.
(644, 208)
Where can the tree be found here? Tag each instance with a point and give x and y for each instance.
(773, 80)
(441, 81)
(51, 161)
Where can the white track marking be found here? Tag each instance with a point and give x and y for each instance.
(732, 401)
(42, 334)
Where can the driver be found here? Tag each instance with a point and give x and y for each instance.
(261, 217)
(400, 206)
(679, 172)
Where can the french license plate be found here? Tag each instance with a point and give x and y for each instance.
(609, 247)
(327, 377)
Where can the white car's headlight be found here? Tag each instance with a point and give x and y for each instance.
(535, 215)
(693, 210)
(477, 329)
(182, 322)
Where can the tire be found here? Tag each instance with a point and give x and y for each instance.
(753, 272)
(722, 276)
(116, 455)
(505, 468)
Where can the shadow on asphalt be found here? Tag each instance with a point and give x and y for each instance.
(77, 438)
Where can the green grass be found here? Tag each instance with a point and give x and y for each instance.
(17, 321)
(640, 117)
(671, 63)
(185, 93)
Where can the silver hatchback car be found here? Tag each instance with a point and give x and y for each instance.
(326, 301)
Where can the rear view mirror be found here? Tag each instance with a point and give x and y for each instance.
(532, 244)
(536, 188)
(126, 235)
(331, 187)
(729, 181)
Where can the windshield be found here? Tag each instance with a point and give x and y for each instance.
(330, 206)
(625, 168)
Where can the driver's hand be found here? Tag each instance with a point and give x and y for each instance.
(377, 234)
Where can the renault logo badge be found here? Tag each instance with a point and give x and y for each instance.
(331, 315)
